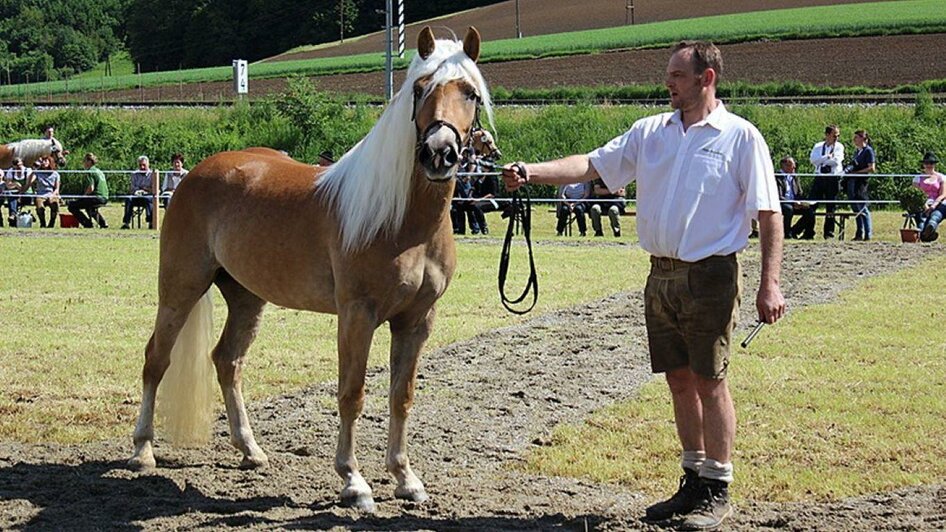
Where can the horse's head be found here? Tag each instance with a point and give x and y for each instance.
(446, 105)
(485, 146)
(57, 155)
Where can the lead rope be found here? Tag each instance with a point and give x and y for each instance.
(520, 215)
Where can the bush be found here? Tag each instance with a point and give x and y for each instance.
(912, 200)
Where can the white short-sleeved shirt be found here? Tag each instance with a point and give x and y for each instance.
(698, 189)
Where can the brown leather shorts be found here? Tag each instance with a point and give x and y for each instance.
(691, 309)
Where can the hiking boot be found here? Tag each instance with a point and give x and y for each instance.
(928, 234)
(682, 502)
(712, 506)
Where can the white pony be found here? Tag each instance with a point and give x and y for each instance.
(30, 150)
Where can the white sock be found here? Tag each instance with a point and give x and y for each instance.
(714, 470)
(692, 460)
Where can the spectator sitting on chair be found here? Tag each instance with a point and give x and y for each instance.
(96, 190)
(789, 195)
(14, 184)
(142, 187)
(326, 158)
(933, 184)
(613, 205)
(173, 178)
(47, 191)
(827, 157)
(569, 206)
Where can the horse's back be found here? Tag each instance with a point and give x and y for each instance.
(255, 214)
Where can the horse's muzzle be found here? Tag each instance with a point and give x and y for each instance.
(439, 150)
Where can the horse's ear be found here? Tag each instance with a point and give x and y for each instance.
(425, 43)
(471, 44)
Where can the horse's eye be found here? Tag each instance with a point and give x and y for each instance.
(418, 91)
(472, 95)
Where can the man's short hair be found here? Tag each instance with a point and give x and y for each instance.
(91, 158)
(832, 128)
(787, 158)
(703, 55)
(143, 158)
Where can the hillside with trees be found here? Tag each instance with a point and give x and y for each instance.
(53, 39)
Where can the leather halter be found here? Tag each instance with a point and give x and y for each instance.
(422, 136)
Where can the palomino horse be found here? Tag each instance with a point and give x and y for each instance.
(32, 149)
(369, 240)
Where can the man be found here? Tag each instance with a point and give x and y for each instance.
(701, 174)
(612, 204)
(827, 157)
(790, 194)
(326, 158)
(142, 186)
(96, 190)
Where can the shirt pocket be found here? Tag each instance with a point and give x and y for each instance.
(706, 172)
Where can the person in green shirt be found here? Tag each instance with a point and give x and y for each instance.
(96, 188)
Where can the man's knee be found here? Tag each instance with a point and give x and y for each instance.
(681, 380)
(711, 389)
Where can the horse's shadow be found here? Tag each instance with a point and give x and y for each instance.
(104, 495)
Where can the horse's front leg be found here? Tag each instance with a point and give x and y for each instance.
(356, 325)
(407, 340)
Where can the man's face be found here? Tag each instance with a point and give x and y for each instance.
(684, 84)
(831, 137)
(49, 132)
(788, 167)
(143, 164)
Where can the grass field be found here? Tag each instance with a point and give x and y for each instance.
(82, 305)
(875, 18)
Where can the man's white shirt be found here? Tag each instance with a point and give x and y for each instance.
(830, 156)
(696, 189)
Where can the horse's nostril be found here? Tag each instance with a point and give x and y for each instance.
(450, 156)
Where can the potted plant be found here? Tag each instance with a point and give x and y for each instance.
(913, 201)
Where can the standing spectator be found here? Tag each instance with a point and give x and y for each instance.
(789, 195)
(14, 183)
(96, 188)
(47, 184)
(613, 205)
(933, 184)
(572, 196)
(173, 178)
(326, 158)
(718, 166)
(142, 187)
(864, 163)
(827, 157)
(461, 208)
(484, 190)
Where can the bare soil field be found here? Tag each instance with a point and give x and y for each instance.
(893, 60)
(481, 405)
(545, 17)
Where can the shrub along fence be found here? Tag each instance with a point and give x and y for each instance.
(304, 121)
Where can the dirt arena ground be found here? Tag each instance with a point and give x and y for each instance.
(481, 405)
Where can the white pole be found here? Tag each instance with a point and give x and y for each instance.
(400, 28)
(388, 62)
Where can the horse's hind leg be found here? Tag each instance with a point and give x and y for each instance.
(173, 311)
(356, 325)
(243, 318)
(407, 340)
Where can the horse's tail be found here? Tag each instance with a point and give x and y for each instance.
(186, 394)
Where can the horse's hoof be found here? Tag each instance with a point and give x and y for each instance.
(137, 463)
(254, 462)
(417, 495)
(359, 501)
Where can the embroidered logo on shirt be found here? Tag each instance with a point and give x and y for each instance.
(712, 153)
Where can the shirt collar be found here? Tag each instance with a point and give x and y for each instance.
(717, 118)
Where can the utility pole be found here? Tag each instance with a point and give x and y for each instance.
(628, 12)
(389, 52)
(518, 30)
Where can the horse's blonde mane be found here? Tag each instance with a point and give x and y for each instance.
(369, 187)
(32, 149)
